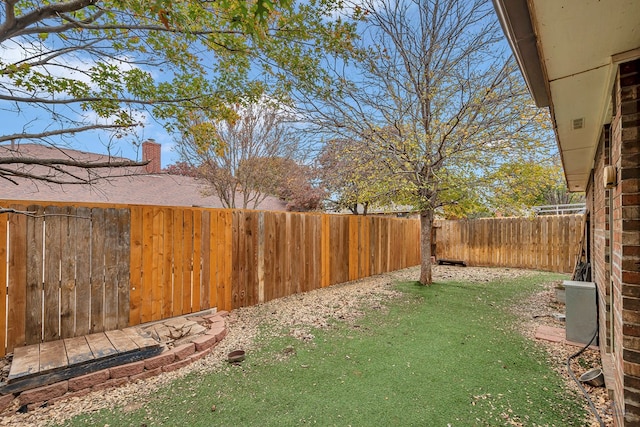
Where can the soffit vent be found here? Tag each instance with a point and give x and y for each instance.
(577, 123)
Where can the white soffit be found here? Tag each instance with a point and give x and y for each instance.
(576, 39)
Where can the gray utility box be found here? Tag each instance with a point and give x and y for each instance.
(581, 311)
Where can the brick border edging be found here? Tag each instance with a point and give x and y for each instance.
(167, 361)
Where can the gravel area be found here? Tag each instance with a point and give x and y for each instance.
(297, 315)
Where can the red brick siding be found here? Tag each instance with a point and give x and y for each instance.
(626, 139)
(616, 272)
(598, 199)
(615, 256)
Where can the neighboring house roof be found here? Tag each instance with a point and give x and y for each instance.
(569, 52)
(137, 186)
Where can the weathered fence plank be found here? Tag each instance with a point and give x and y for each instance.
(4, 218)
(55, 250)
(98, 232)
(68, 239)
(35, 267)
(123, 266)
(83, 272)
(17, 298)
(135, 273)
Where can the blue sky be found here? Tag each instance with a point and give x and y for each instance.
(18, 118)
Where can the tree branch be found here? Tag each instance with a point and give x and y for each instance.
(12, 27)
(48, 134)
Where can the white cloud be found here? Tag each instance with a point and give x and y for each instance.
(141, 117)
(73, 66)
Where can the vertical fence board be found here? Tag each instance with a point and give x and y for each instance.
(205, 256)
(149, 300)
(251, 258)
(294, 258)
(353, 247)
(315, 258)
(35, 267)
(305, 245)
(365, 248)
(155, 282)
(227, 250)
(269, 265)
(325, 236)
(288, 266)
(167, 263)
(237, 266)
(135, 275)
(177, 262)
(83, 273)
(67, 272)
(111, 270)
(123, 269)
(17, 298)
(312, 258)
(216, 262)
(53, 261)
(187, 261)
(218, 227)
(197, 262)
(282, 271)
(4, 218)
(98, 230)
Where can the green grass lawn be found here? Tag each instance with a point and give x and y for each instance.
(438, 356)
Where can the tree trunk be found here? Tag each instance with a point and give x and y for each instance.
(426, 227)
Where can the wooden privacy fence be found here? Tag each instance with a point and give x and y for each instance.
(73, 270)
(549, 243)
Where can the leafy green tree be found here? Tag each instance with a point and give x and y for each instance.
(436, 96)
(516, 187)
(77, 66)
(519, 186)
(354, 177)
(557, 192)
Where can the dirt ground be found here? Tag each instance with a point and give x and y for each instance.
(297, 314)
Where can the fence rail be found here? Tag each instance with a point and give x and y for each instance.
(69, 270)
(549, 243)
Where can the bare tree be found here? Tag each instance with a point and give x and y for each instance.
(435, 96)
(244, 159)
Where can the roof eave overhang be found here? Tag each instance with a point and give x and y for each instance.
(515, 19)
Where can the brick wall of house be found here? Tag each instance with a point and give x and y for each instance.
(615, 243)
(598, 199)
(616, 270)
(626, 245)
